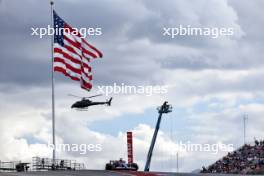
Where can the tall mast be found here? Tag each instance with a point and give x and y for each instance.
(53, 93)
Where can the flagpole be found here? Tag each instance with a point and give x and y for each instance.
(53, 95)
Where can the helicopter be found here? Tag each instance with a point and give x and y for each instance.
(85, 102)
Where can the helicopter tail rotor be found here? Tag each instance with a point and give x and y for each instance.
(109, 101)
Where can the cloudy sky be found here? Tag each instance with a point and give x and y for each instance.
(211, 83)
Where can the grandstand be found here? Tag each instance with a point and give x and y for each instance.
(248, 159)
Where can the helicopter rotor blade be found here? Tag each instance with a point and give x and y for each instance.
(85, 97)
(94, 96)
(74, 96)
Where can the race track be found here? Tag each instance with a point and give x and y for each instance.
(100, 173)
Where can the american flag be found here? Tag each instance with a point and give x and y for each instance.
(72, 53)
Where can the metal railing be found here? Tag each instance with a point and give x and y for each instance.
(58, 164)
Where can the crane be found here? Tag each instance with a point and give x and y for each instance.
(165, 108)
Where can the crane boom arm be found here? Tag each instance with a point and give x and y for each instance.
(165, 108)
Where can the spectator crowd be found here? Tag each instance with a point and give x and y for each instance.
(249, 159)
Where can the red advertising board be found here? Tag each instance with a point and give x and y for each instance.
(130, 147)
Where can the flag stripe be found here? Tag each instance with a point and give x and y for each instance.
(76, 42)
(99, 54)
(66, 72)
(61, 53)
(70, 66)
(71, 48)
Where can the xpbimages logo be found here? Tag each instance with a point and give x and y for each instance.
(132, 89)
(213, 32)
(84, 32)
